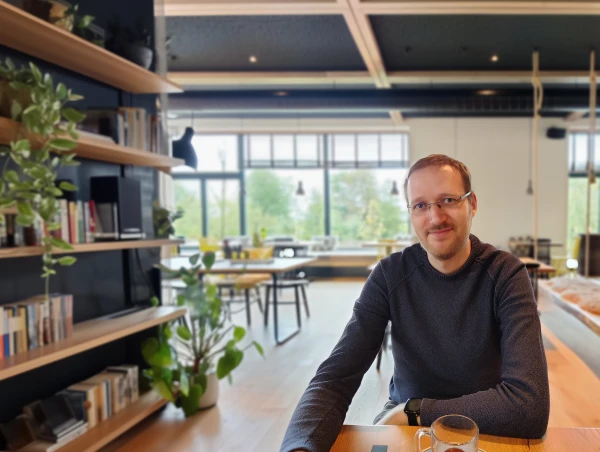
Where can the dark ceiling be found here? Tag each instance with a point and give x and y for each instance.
(467, 42)
(280, 43)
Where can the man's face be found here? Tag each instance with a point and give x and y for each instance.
(442, 232)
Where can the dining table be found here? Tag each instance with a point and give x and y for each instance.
(274, 267)
(363, 438)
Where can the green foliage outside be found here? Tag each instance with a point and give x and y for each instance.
(578, 207)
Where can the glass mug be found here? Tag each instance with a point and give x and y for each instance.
(452, 433)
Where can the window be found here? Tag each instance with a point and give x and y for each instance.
(272, 202)
(283, 151)
(368, 151)
(363, 208)
(223, 204)
(216, 153)
(578, 153)
(188, 197)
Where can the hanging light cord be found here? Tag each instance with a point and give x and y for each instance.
(591, 170)
(538, 99)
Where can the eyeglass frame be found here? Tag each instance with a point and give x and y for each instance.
(429, 204)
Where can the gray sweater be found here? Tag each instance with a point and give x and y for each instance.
(467, 343)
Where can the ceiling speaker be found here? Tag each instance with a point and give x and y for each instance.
(556, 133)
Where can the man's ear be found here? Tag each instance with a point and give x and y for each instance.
(473, 204)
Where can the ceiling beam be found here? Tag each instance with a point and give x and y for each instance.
(252, 78)
(397, 118)
(341, 78)
(576, 115)
(546, 7)
(248, 7)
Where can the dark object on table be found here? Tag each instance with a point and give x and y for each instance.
(183, 148)
(58, 417)
(379, 449)
(226, 249)
(132, 44)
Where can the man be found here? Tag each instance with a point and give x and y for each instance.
(466, 336)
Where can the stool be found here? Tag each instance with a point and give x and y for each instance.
(246, 283)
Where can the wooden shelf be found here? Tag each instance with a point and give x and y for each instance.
(26, 33)
(94, 148)
(106, 431)
(24, 251)
(88, 335)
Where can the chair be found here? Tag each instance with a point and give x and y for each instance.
(299, 285)
(243, 283)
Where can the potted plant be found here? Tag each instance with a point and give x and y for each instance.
(164, 220)
(132, 44)
(186, 360)
(56, 12)
(39, 149)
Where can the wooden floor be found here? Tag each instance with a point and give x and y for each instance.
(252, 415)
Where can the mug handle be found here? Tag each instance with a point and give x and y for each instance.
(420, 433)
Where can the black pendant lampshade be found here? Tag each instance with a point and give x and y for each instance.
(395, 191)
(183, 148)
(300, 189)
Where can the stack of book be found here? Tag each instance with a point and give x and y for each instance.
(49, 424)
(132, 127)
(34, 323)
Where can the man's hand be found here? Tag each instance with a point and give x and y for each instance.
(396, 416)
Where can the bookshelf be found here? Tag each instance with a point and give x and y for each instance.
(108, 430)
(26, 33)
(97, 148)
(88, 335)
(25, 251)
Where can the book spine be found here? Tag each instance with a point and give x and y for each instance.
(6, 332)
(86, 219)
(39, 315)
(72, 222)
(63, 317)
(64, 220)
(92, 208)
(10, 331)
(31, 327)
(1, 333)
(47, 323)
(116, 229)
(69, 315)
(80, 223)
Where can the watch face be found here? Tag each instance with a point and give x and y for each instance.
(413, 405)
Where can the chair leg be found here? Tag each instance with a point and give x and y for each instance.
(379, 358)
(267, 299)
(298, 316)
(248, 316)
(302, 288)
(258, 299)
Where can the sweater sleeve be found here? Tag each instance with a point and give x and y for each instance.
(319, 416)
(519, 405)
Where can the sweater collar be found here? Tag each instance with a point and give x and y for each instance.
(475, 251)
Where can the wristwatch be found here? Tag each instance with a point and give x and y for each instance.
(412, 408)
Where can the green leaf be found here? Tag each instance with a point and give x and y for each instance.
(62, 144)
(70, 114)
(11, 176)
(154, 301)
(162, 388)
(19, 86)
(25, 209)
(75, 97)
(149, 348)
(2, 188)
(67, 186)
(208, 259)
(180, 300)
(37, 75)
(239, 333)
(259, 348)
(184, 333)
(229, 361)
(184, 384)
(48, 80)
(21, 145)
(162, 357)
(15, 110)
(190, 403)
(59, 243)
(194, 259)
(9, 64)
(61, 91)
(167, 331)
(67, 261)
(23, 220)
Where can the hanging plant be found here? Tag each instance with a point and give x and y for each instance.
(41, 147)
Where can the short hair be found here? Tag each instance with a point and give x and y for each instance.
(440, 160)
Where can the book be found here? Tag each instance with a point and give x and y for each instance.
(104, 400)
(80, 223)
(58, 417)
(132, 375)
(64, 220)
(123, 389)
(6, 332)
(89, 392)
(72, 222)
(92, 213)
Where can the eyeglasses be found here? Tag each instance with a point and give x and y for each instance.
(421, 208)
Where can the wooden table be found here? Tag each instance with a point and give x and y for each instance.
(278, 266)
(388, 245)
(543, 268)
(359, 438)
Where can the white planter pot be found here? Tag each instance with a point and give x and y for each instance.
(211, 395)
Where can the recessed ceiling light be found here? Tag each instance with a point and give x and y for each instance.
(487, 92)
(253, 59)
(281, 93)
(494, 58)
